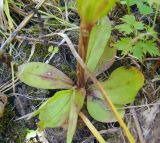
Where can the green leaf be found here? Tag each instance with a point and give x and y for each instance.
(124, 44)
(99, 37)
(63, 107)
(122, 86)
(129, 19)
(143, 47)
(138, 25)
(144, 8)
(125, 28)
(130, 25)
(53, 50)
(41, 75)
(100, 111)
(92, 10)
(55, 111)
(151, 47)
(77, 101)
(137, 51)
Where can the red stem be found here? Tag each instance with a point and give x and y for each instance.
(85, 30)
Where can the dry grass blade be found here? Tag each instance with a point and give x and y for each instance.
(8, 85)
(22, 24)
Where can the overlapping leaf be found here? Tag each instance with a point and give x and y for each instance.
(122, 88)
(97, 47)
(106, 60)
(41, 75)
(98, 109)
(60, 109)
(77, 101)
(55, 111)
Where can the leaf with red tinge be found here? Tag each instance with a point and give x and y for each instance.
(77, 101)
(41, 75)
(106, 60)
(98, 109)
(122, 87)
(62, 108)
(55, 111)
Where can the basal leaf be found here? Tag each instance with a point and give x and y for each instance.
(77, 101)
(98, 109)
(72, 123)
(55, 111)
(62, 108)
(106, 60)
(122, 86)
(41, 75)
(99, 37)
(92, 10)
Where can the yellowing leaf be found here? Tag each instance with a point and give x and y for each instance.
(92, 10)
(122, 86)
(41, 75)
(98, 109)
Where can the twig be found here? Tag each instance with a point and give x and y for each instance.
(151, 59)
(21, 25)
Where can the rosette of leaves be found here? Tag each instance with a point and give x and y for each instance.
(64, 106)
(139, 40)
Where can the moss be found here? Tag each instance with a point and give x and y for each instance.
(10, 130)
